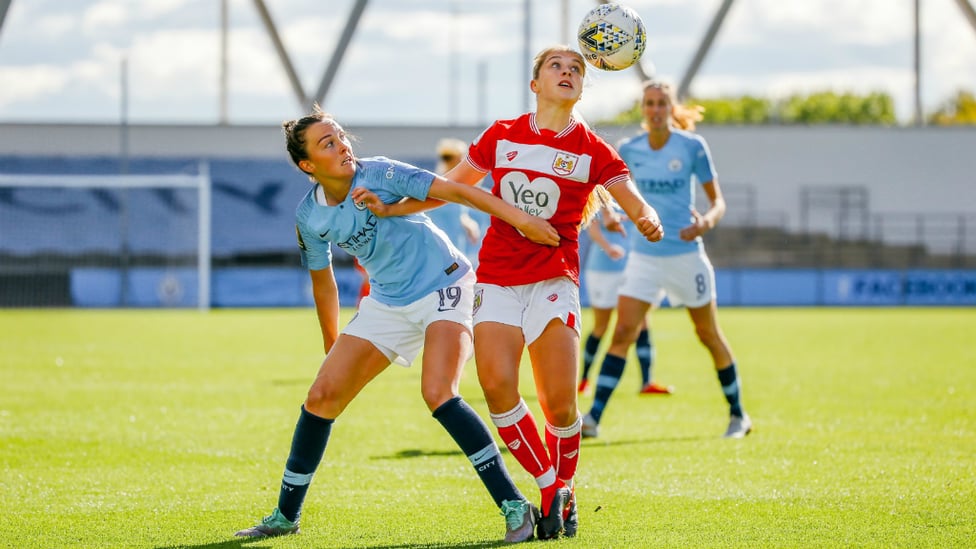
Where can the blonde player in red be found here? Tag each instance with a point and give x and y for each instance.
(549, 164)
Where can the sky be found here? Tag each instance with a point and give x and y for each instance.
(444, 62)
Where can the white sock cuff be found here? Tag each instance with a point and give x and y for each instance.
(546, 479)
(566, 432)
(511, 417)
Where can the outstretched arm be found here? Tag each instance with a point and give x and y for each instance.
(325, 292)
(640, 212)
(534, 228)
(406, 206)
(464, 172)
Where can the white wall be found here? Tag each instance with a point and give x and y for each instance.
(907, 170)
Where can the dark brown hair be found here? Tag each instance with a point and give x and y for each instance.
(294, 131)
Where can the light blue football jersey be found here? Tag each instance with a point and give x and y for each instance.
(598, 260)
(406, 257)
(666, 180)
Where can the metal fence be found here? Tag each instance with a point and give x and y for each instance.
(837, 229)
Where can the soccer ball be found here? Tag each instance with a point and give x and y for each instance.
(611, 37)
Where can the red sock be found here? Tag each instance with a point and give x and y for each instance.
(518, 430)
(564, 446)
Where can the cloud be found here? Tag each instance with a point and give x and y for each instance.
(107, 14)
(399, 65)
(24, 83)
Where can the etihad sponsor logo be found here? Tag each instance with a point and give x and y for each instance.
(663, 186)
(361, 237)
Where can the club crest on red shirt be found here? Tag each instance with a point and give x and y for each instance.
(564, 163)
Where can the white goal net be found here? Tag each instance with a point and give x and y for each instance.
(113, 240)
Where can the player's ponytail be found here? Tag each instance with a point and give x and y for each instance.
(598, 200)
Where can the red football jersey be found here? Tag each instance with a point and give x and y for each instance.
(549, 175)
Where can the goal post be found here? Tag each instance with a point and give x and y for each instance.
(127, 230)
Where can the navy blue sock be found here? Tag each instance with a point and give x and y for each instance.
(307, 446)
(645, 355)
(610, 372)
(730, 386)
(589, 354)
(473, 437)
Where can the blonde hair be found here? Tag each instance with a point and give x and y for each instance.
(683, 116)
(599, 199)
(540, 58)
(449, 147)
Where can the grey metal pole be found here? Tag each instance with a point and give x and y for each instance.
(482, 92)
(703, 48)
(527, 52)
(566, 30)
(452, 66)
(222, 99)
(4, 6)
(125, 258)
(918, 118)
(269, 25)
(344, 39)
(968, 11)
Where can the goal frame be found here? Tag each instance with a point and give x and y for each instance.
(201, 182)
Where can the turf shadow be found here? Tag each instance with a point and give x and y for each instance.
(258, 543)
(417, 452)
(593, 444)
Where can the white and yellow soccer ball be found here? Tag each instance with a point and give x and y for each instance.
(612, 37)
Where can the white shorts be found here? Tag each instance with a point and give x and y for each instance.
(398, 332)
(687, 280)
(529, 306)
(602, 288)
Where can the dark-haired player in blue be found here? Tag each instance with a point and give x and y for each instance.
(665, 162)
(421, 295)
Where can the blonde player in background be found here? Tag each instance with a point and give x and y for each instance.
(667, 160)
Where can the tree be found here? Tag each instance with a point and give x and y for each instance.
(825, 107)
(959, 110)
(828, 107)
(736, 110)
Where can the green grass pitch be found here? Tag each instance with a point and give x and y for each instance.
(163, 429)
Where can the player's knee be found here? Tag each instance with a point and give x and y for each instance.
(492, 387)
(562, 414)
(324, 401)
(435, 396)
